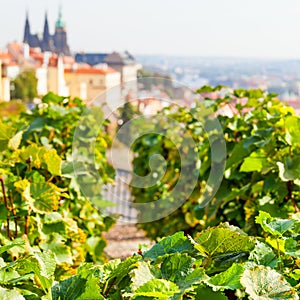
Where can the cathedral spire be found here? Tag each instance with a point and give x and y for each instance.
(46, 35)
(56, 42)
(60, 36)
(60, 23)
(27, 33)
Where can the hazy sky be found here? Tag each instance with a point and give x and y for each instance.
(247, 28)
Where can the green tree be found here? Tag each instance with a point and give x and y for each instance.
(150, 80)
(25, 86)
(127, 113)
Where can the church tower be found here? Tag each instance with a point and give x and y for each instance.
(31, 39)
(60, 36)
(46, 43)
(27, 33)
(56, 43)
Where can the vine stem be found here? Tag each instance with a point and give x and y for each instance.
(6, 206)
(3, 191)
(290, 195)
(231, 295)
(278, 253)
(26, 225)
(8, 228)
(110, 286)
(13, 209)
(29, 161)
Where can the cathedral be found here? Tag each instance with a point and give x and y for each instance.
(56, 43)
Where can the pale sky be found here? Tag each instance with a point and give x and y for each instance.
(243, 28)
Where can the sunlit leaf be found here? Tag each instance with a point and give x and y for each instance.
(15, 141)
(264, 283)
(157, 288)
(227, 280)
(218, 241)
(177, 243)
(45, 197)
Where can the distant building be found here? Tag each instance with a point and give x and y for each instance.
(59, 73)
(123, 62)
(109, 77)
(91, 59)
(88, 83)
(56, 43)
(4, 83)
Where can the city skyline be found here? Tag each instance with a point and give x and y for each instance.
(171, 27)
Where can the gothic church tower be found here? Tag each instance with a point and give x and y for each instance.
(56, 43)
(60, 36)
(27, 32)
(46, 43)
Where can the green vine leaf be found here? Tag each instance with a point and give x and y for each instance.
(40, 157)
(6, 133)
(292, 124)
(218, 241)
(10, 294)
(182, 269)
(177, 243)
(274, 226)
(289, 169)
(263, 283)
(140, 275)
(42, 265)
(255, 162)
(204, 292)
(227, 280)
(157, 288)
(53, 162)
(45, 197)
(262, 254)
(15, 141)
(18, 243)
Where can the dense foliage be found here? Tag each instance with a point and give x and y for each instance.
(244, 244)
(41, 200)
(261, 171)
(24, 86)
(219, 263)
(127, 112)
(13, 107)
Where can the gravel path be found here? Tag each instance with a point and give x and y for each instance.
(124, 240)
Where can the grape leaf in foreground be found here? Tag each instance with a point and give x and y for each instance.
(263, 283)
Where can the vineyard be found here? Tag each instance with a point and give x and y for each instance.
(236, 234)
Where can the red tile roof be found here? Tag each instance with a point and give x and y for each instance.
(67, 60)
(39, 57)
(12, 64)
(16, 47)
(5, 57)
(35, 51)
(90, 70)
